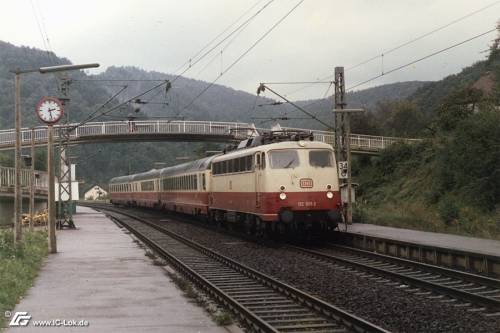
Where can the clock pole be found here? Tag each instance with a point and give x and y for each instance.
(18, 230)
(52, 203)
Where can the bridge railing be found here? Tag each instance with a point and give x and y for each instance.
(359, 141)
(95, 129)
(229, 130)
(7, 178)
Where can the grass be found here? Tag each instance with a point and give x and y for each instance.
(18, 267)
(408, 197)
(420, 216)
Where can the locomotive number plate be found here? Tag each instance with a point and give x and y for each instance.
(306, 183)
(306, 203)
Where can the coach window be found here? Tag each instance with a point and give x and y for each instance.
(263, 160)
(249, 163)
(203, 181)
(321, 158)
(283, 159)
(257, 160)
(237, 167)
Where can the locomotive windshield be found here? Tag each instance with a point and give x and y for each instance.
(320, 158)
(283, 159)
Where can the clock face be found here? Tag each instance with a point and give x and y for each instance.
(49, 110)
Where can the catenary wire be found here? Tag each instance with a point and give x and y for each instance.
(244, 53)
(395, 48)
(217, 37)
(420, 59)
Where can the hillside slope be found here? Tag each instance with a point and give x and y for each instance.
(451, 181)
(219, 103)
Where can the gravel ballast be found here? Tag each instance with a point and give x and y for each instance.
(385, 304)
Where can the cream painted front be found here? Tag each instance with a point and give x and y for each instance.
(269, 179)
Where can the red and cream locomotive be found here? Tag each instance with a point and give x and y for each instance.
(272, 183)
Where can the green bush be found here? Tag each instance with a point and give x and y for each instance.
(448, 210)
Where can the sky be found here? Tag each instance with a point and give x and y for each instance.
(317, 36)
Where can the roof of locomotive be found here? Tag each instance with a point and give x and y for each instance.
(271, 146)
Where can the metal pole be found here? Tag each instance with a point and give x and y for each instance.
(349, 180)
(52, 204)
(17, 190)
(32, 179)
(339, 117)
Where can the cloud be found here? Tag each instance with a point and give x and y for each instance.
(319, 35)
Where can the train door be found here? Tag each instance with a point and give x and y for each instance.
(258, 179)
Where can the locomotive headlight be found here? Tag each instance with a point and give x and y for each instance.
(328, 187)
(282, 188)
(282, 196)
(329, 195)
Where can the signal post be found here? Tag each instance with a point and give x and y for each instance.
(343, 137)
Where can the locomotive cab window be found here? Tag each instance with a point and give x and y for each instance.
(321, 158)
(283, 159)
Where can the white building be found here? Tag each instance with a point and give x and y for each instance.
(95, 193)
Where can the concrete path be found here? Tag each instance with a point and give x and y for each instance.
(100, 275)
(471, 244)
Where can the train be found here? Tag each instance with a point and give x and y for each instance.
(276, 183)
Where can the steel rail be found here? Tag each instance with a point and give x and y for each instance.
(346, 319)
(393, 274)
(479, 279)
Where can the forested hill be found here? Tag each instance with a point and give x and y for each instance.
(450, 181)
(223, 103)
(219, 103)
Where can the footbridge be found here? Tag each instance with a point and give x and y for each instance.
(165, 130)
(7, 182)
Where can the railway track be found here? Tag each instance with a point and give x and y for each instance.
(261, 302)
(480, 293)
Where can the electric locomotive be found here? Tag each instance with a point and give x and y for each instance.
(275, 183)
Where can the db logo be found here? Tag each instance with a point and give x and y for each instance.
(20, 319)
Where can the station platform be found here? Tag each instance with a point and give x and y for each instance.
(433, 239)
(101, 276)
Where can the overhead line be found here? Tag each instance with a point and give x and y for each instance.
(216, 37)
(119, 105)
(406, 43)
(119, 80)
(244, 54)
(244, 24)
(383, 74)
(420, 59)
(104, 104)
(299, 82)
(299, 108)
(424, 35)
(191, 64)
